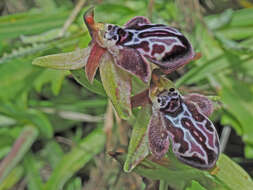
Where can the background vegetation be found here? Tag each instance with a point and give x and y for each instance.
(58, 133)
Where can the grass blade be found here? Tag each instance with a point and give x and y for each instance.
(76, 159)
(19, 149)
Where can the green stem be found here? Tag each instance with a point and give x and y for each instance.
(163, 185)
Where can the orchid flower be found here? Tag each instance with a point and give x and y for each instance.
(183, 121)
(136, 44)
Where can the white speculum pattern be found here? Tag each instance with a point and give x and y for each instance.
(168, 42)
(189, 153)
(166, 103)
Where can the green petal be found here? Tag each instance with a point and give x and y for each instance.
(64, 61)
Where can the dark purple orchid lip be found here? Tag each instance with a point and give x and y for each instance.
(140, 42)
(183, 122)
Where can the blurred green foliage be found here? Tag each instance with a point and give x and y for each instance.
(35, 99)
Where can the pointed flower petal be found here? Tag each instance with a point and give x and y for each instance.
(64, 61)
(131, 61)
(93, 61)
(205, 105)
(117, 85)
(138, 146)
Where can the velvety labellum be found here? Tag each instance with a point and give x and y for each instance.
(138, 43)
(158, 43)
(193, 136)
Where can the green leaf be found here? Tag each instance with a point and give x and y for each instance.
(163, 185)
(220, 20)
(236, 33)
(213, 58)
(226, 176)
(6, 121)
(32, 173)
(32, 22)
(232, 174)
(46, 5)
(52, 153)
(231, 45)
(21, 52)
(177, 174)
(231, 120)
(30, 117)
(119, 12)
(40, 121)
(22, 144)
(237, 99)
(4, 151)
(55, 77)
(117, 84)
(195, 186)
(242, 18)
(229, 18)
(15, 175)
(96, 86)
(64, 61)
(75, 184)
(76, 159)
(248, 151)
(138, 147)
(16, 79)
(43, 37)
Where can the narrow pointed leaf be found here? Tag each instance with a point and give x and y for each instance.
(28, 116)
(13, 178)
(20, 147)
(64, 61)
(96, 87)
(117, 84)
(196, 186)
(138, 147)
(177, 174)
(34, 180)
(226, 176)
(233, 175)
(237, 98)
(76, 159)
